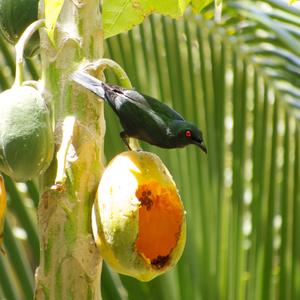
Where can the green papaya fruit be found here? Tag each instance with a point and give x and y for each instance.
(15, 17)
(26, 136)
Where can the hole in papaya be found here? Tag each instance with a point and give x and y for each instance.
(160, 222)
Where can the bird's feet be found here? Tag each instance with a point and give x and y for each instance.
(131, 143)
(125, 139)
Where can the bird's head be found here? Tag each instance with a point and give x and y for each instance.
(187, 133)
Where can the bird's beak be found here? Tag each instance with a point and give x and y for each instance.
(201, 145)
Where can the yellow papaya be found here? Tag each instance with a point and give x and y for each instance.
(2, 210)
(139, 220)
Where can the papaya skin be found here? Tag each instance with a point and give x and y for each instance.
(15, 17)
(2, 210)
(139, 220)
(26, 137)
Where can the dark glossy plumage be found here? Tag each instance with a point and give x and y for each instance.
(144, 117)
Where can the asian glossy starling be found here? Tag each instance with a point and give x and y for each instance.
(143, 117)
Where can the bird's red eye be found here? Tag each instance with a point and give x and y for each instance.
(188, 133)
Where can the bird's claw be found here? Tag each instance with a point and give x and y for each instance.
(125, 138)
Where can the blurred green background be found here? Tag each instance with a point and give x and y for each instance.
(239, 81)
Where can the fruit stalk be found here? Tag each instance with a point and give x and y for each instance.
(70, 264)
(20, 46)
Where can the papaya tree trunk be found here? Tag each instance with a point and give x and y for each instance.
(70, 264)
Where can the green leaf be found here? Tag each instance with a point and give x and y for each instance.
(122, 15)
(199, 5)
(52, 11)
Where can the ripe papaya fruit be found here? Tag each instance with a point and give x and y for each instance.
(26, 136)
(138, 217)
(2, 210)
(15, 17)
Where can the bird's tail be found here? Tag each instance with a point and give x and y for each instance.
(91, 83)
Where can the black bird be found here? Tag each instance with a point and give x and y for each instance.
(143, 117)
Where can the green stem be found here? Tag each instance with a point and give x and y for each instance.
(70, 263)
(20, 46)
(103, 63)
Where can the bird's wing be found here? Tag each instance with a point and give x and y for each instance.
(158, 107)
(110, 94)
(125, 106)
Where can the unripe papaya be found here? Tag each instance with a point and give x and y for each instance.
(138, 218)
(15, 17)
(26, 136)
